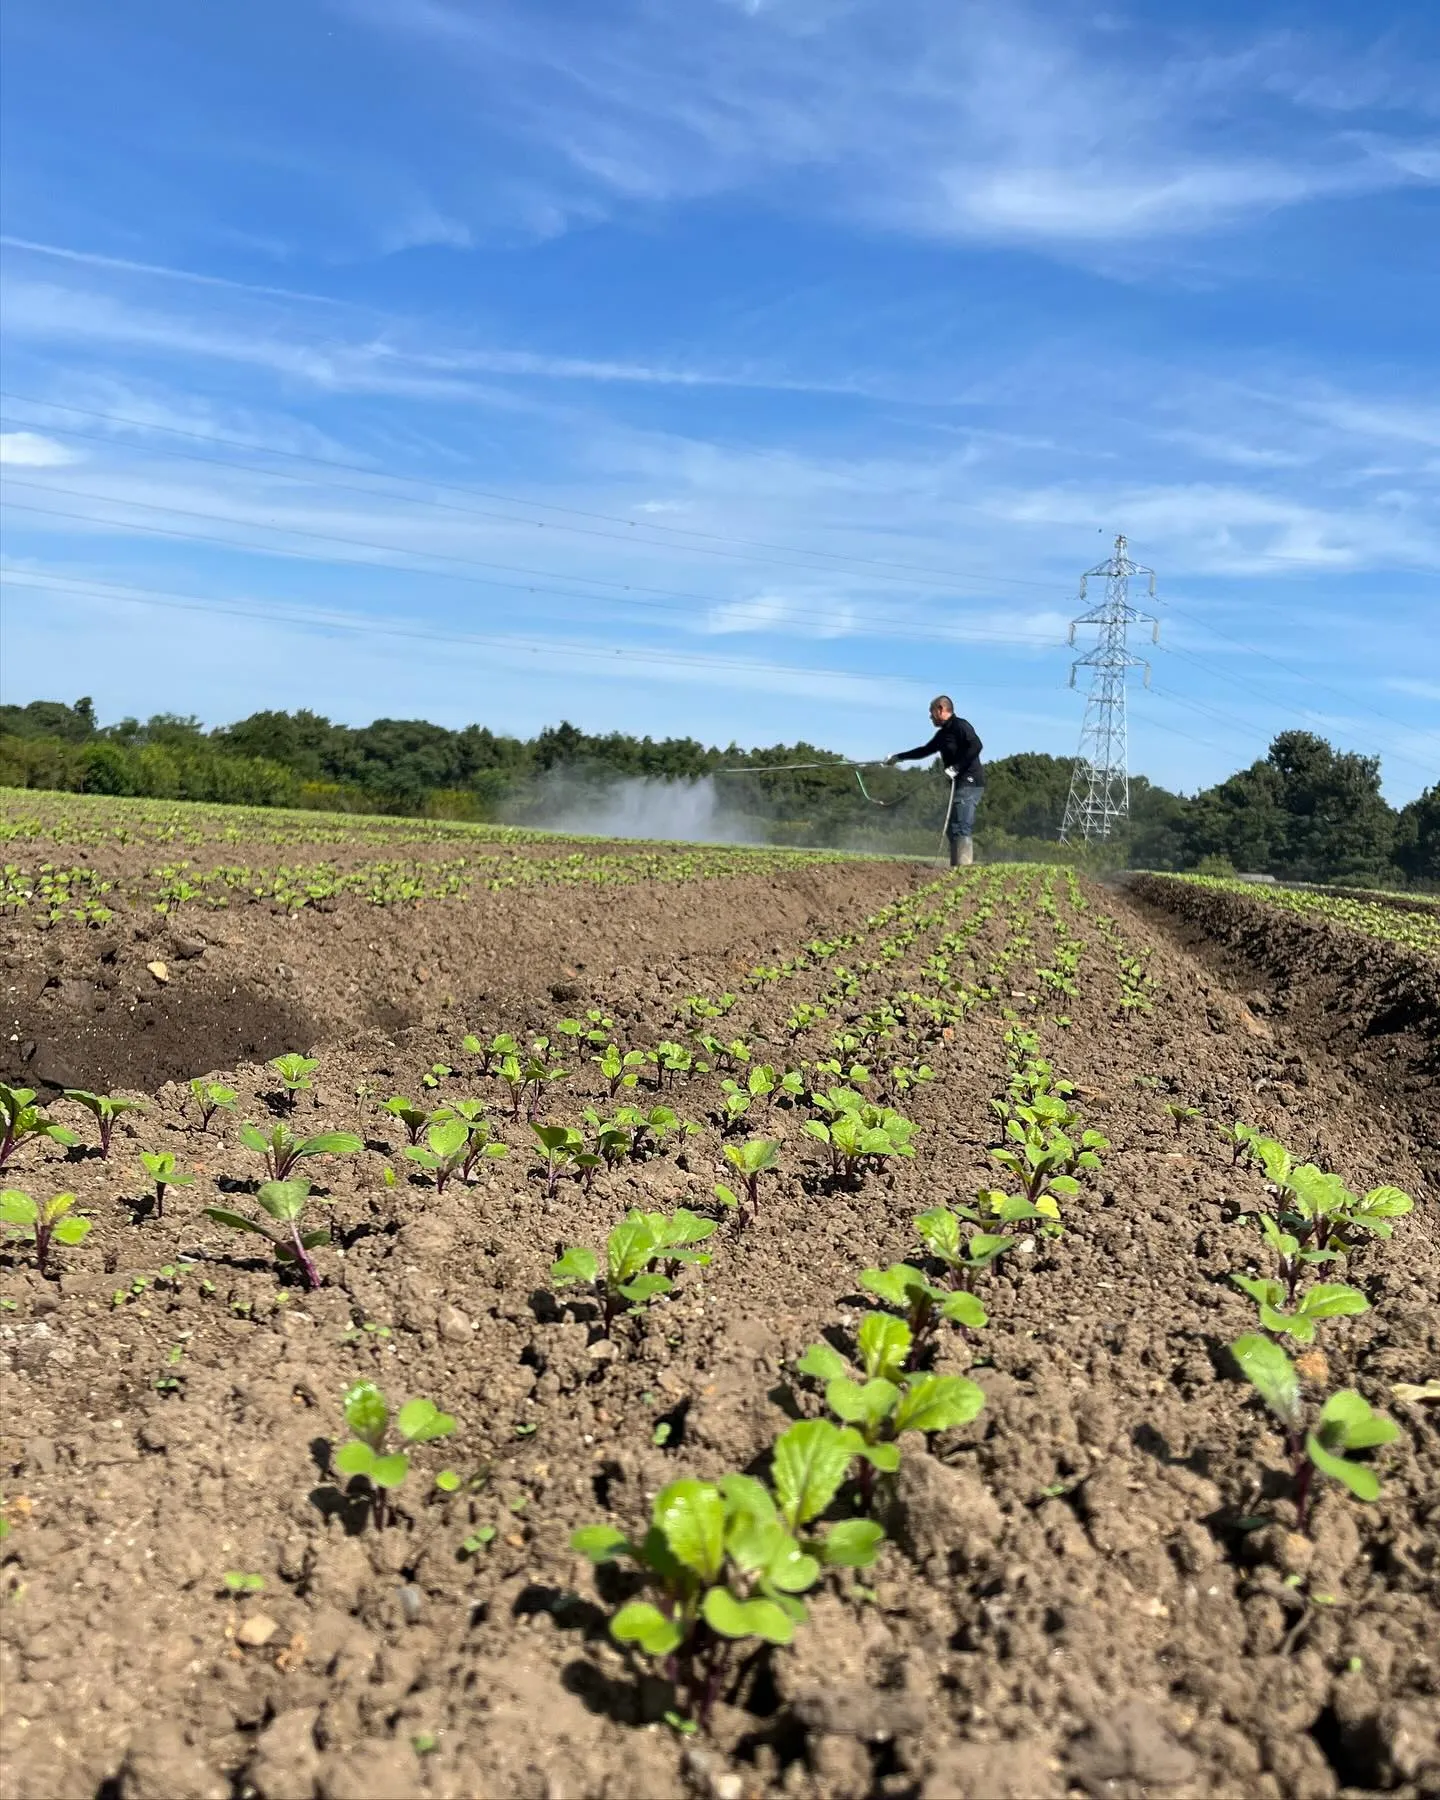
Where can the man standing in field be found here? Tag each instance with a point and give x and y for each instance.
(959, 751)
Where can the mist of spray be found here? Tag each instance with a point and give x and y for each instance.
(637, 806)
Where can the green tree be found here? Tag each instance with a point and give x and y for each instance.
(1417, 836)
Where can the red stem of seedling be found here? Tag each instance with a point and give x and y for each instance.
(1304, 1475)
(309, 1274)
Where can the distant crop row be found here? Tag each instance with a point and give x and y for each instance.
(83, 895)
(27, 816)
(1414, 929)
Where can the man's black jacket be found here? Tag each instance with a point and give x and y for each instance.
(958, 748)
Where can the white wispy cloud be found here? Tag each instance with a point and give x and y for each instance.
(126, 265)
(1008, 123)
(31, 450)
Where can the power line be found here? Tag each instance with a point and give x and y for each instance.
(339, 621)
(868, 563)
(365, 562)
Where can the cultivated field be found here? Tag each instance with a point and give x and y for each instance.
(818, 1279)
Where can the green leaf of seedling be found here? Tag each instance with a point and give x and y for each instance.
(884, 1343)
(1271, 1373)
(757, 1618)
(823, 1362)
(17, 1208)
(253, 1139)
(447, 1481)
(850, 1544)
(691, 1515)
(641, 1623)
(1347, 1422)
(389, 1471)
(577, 1264)
(937, 1402)
(964, 1309)
(1362, 1482)
(867, 1405)
(283, 1200)
(238, 1582)
(629, 1247)
(330, 1143)
(894, 1285)
(810, 1462)
(421, 1421)
(940, 1232)
(726, 1196)
(982, 1249)
(355, 1458)
(601, 1543)
(72, 1231)
(236, 1221)
(884, 1457)
(645, 1288)
(1333, 1300)
(366, 1413)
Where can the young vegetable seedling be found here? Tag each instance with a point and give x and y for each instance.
(904, 1287)
(107, 1108)
(630, 1280)
(965, 1255)
(445, 1151)
(212, 1097)
(750, 1161)
(365, 1454)
(282, 1149)
(621, 1068)
(1345, 1422)
(44, 1226)
(284, 1202)
(562, 1148)
(294, 1072)
(161, 1167)
(1280, 1313)
(727, 1565)
(20, 1121)
(887, 1402)
(414, 1118)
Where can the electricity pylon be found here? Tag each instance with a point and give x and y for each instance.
(1100, 781)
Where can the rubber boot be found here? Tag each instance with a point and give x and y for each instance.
(966, 852)
(954, 853)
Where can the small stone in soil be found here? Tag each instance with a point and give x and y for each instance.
(256, 1631)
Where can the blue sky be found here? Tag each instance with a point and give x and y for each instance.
(744, 368)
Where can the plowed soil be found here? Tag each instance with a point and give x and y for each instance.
(1095, 1588)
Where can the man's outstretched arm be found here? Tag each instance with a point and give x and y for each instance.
(921, 750)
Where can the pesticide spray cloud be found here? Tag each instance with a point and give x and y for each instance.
(637, 806)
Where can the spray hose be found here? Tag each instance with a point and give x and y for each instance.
(856, 767)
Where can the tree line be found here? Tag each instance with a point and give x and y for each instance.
(1305, 811)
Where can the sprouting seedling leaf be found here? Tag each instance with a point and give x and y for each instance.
(368, 1416)
(21, 1120)
(447, 1149)
(282, 1149)
(1347, 1423)
(284, 1202)
(1326, 1300)
(724, 1566)
(160, 1166)
(238, 1582)
(107, 1108)
(44, 1226)
(212, 1097)
(294, 1072)
(811, 1460)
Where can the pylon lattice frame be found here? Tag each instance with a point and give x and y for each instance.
(1100, 781)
